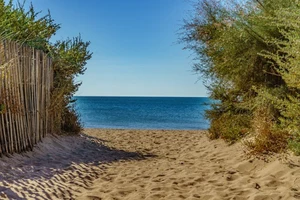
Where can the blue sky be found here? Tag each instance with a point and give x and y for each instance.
(134, 45)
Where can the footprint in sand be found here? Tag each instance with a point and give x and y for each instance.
(199, 179)
(156, 196)
(93, 198)
(156, 189)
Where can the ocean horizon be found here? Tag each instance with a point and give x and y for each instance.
(143, 112)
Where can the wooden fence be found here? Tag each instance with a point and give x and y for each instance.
(26, 77)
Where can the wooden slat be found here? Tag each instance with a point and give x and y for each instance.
(25, 87)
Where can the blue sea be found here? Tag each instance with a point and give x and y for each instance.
(180, 113)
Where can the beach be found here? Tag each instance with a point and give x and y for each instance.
(146, 164)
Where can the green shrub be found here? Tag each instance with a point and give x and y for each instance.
(248, 54)
(71, 121)
(229, 127)
(69, 56)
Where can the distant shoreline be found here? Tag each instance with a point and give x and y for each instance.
(144, 129)
(149, 96)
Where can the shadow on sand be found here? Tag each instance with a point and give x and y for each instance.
(64, 164)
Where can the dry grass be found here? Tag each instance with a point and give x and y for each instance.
(267, 138)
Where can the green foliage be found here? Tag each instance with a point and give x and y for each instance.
(69, 60)
(2, 107)
(70, 122)
(25, 26)
(287, 59)
(294, 145)
(249, 55)
(230, 127)
(69, 56)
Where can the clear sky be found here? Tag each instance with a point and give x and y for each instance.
(134, 45)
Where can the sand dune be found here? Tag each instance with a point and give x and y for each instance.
(145, 164)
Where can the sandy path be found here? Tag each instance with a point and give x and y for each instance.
(186, 165)
(145, 164)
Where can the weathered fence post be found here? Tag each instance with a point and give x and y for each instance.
(26, 77)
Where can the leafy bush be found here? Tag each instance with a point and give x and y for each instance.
(294, 144)
(231, 128)
(248, 52)
(71, 120)
(69, 56)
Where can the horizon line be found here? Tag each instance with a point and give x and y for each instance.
(138, 96)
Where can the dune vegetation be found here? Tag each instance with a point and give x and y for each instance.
(248, 54)
(69, 57)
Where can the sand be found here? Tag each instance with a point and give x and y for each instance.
(146, 164)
